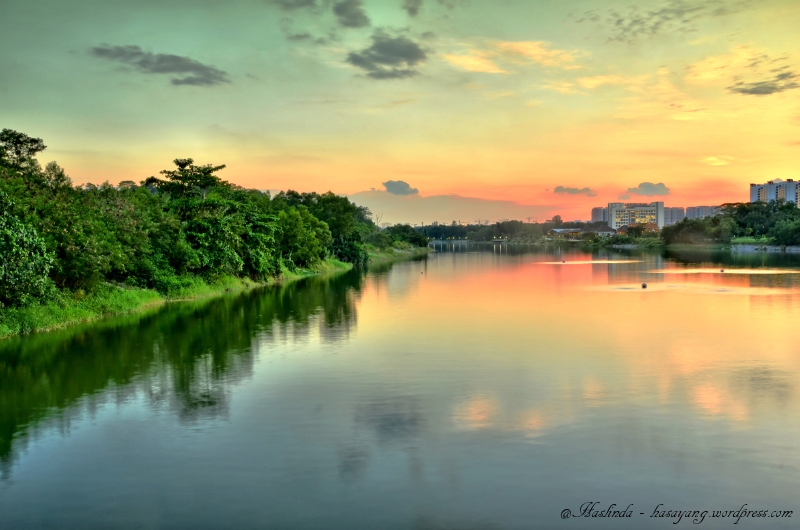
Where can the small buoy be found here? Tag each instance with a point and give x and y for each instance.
(563, 262)
(644, 286)
(722, 270)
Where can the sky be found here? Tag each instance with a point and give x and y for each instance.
(468, 109)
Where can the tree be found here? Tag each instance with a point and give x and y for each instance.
(303, 239)
(188, 179)
(17, 149)
(24, 260)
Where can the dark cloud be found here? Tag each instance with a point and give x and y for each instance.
(412, 7)
(575, 191)
(398, 187)
(291, 5)
(290, 34)
(785, 80)
(672, 15)
(389, 57)
(649, 189)
(187, 71)
(351, 14)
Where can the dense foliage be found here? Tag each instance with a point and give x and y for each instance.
(25, 262)
(774, 221)
(166, 233)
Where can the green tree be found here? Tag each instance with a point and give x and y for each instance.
(17, 149)
(24, 260)
(303, 239)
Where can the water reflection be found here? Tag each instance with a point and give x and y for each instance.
(184, 357)
(471, 389)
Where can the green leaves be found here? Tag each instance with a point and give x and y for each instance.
(303, 239)
(24, 260)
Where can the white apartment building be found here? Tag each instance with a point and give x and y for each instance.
(630, 213)
(789, 190)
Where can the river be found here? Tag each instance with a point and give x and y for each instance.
(481, 387)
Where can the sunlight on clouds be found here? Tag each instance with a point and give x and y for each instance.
(501, 94)
(741, 59)
(475, 61)
(534, 103)
(538, 52)
(662, 99)
(718, 160)
(518, 53)
(600, 80)
(564, 87)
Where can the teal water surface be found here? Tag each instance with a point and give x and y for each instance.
(480, 388)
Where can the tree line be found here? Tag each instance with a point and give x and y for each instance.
(775, 221)
(164, 233)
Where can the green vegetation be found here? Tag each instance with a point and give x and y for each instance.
(759, 223)
(73, 253)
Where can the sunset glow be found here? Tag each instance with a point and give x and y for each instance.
(497, 102)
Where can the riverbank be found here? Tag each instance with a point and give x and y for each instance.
(108, 300)
(388, 256)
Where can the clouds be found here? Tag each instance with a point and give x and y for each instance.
(388, 57)
(412, 7)
(746, 70)
(786, 80)
(648, 189)
(291, 5)
(186, 71)
(721, 160)
(351, 14)
(600, 80)
(575, 191)
(538, 52)
(399, 187)
(670, 16)
(484, 59)
(475, 61)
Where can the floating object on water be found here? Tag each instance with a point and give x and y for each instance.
(722, 270)
(644, 286)
(563, 262)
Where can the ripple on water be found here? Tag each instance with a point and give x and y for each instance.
(725, 271)
(589, 262)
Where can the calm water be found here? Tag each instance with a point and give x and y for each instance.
(475, 389)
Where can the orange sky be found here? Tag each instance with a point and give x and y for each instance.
(508, 102)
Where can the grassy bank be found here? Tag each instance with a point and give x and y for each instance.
(107, 300)
(68, 308)
(386, 256)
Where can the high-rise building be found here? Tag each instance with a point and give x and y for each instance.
(698, 212)
(635, 213)
(599, 214)
(673, 215)
(788, 190)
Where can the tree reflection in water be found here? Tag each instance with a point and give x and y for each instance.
(183, 357)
